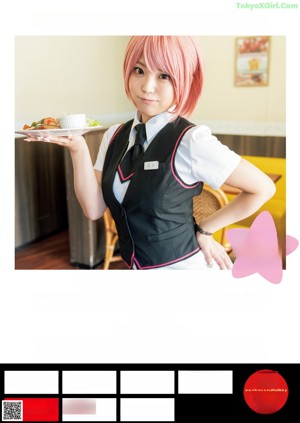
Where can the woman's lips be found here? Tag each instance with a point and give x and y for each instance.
(147, 100)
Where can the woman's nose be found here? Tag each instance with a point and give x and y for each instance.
(148, 85)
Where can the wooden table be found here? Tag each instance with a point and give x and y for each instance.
(235, 191)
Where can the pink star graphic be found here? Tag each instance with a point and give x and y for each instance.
(291, 244)
(256, 249)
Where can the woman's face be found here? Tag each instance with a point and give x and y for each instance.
(151, 92)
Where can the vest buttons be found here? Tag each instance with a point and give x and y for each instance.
(122, 213)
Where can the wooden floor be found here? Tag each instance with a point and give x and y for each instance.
(51, 253)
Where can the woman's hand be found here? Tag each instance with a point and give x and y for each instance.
(213, 250)
(73, 143)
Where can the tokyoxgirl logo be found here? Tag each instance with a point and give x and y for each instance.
(266, 5)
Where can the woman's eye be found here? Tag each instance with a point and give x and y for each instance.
(165, 76)
(138, 70)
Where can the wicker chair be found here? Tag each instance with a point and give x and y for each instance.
(209, 201)
(111, 239)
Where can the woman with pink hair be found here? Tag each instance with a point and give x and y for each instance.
(149, 169)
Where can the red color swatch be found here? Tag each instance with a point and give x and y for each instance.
(39, 409)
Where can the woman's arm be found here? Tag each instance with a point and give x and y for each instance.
(87, 181)
(257, 188)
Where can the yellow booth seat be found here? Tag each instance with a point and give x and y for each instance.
(277, 204)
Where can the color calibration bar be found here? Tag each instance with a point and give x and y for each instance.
(130, 393)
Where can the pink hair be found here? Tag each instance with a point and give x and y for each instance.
(178, 56)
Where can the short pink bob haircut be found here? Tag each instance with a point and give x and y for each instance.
(178, 56)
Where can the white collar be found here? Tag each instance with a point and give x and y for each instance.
(154, 125)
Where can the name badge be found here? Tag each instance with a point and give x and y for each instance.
(151, 165)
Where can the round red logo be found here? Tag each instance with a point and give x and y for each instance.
(266, 391)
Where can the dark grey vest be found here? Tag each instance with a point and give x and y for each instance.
(155, 220)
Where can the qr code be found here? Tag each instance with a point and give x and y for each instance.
(12, 410)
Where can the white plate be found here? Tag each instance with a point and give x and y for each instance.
(58, 132)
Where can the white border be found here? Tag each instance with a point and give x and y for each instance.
(84, 316)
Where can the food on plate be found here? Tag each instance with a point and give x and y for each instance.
(45, 123)
(53, 123)
(92, 122)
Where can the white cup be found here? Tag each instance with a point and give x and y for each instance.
(73, 121)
